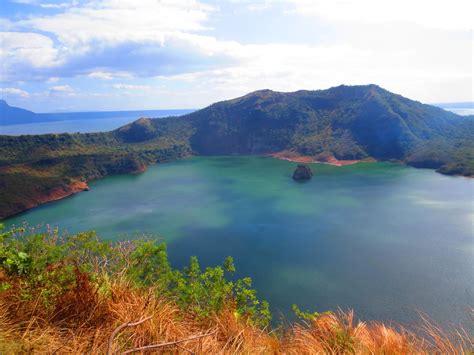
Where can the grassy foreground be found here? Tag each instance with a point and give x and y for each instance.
(76, 294)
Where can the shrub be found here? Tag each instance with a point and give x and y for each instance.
(53, 268)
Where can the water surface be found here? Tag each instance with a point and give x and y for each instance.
(83, 122)
(383, 239)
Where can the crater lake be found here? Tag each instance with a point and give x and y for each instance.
(381, 238)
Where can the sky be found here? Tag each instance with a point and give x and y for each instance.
(92, 55)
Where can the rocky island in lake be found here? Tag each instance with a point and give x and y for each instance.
(302, 173)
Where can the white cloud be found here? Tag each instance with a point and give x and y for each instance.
(47, 5)
(111, 22)
(26, 2)
(55, 6)
(32, 49)
(14, 92)
(103, 75)
(131, 87)
(438, 14)
(258, 6)
(62, 88)
(53, 80)
(62, 91)
(288, 67)
(86, 34)
(421, 49)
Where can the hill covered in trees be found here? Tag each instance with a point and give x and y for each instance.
(344, 122)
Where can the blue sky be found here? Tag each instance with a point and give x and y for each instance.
(76, 55)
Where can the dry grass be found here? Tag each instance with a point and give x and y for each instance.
(88, 318)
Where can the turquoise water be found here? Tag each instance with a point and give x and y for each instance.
(384, 239)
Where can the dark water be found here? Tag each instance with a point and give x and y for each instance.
(383, 239)
(83, 122)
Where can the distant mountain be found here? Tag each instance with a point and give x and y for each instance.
(13, 115)
(10, 114)
(344, 122)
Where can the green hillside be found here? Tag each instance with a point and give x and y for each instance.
(348, 122)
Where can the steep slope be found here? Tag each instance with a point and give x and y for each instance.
(13, 115)
(38, 169)
(347, 122)
(344, 122)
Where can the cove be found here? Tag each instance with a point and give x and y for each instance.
(383, 239)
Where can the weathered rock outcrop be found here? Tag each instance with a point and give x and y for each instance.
(302, 172)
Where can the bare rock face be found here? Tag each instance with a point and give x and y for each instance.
(302, 172)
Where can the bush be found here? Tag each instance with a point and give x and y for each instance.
(49, 267)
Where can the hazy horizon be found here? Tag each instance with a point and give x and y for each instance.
(450, 106)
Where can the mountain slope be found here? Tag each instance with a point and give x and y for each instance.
(347, 122)
(344, 122)
(10, 114)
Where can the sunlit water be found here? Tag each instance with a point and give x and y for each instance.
(383, 239)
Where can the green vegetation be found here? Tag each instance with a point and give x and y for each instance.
(35, 169)
(76, 294)
(344, 122)
(47, 266)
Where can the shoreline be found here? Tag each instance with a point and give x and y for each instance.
(63, 191)
(55, 194)
(296, 158)
(60, 192)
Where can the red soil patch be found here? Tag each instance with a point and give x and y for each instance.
(140, 170)
(58, 193)
(295, 157)
(336, 162)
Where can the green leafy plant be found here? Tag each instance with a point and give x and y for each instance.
(51, 265)
(307, 316)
